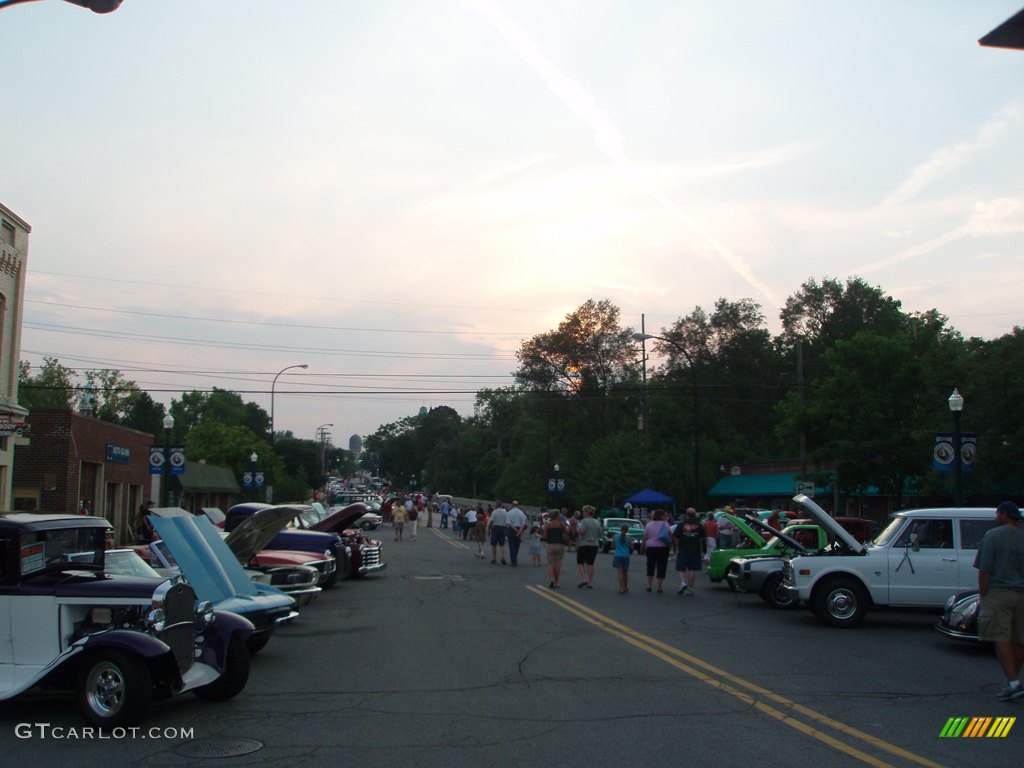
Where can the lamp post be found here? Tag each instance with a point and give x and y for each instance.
(165, 471)
(254, 457)
(273, 384)
(642, 337)
(956, 405)
(321, 437)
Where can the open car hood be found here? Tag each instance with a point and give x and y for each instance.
(787, 540)
(747, 530)
(824, 519)
(255, 532)
(341, 519)
(210, 567)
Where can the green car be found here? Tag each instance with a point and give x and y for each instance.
(811, 536)
(610, 527)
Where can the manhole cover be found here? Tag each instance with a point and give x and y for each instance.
(218, 748)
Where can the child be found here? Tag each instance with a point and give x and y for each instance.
(535, 545)
(620, 562)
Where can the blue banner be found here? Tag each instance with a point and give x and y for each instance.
(943, 453)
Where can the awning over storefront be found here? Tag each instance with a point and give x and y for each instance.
(206, 478)
(776, 484)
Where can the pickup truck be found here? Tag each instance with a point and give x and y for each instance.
(920, 559)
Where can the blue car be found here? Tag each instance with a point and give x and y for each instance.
(216, 575)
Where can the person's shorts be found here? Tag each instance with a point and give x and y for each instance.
(1001, 617)
(586, 555)
(498, 536)
(688, 561)
(620, 561)
(556, 552)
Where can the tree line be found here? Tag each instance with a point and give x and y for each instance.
(853, 384)
(217, 427)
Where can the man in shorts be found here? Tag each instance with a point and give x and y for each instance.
(498, 527)
(586, 549)
(691, 543)
(1000, 564)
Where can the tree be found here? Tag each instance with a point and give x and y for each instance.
(112, 393)
(145, 415)
(52, 387)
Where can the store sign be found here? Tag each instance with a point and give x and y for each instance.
(8, 428)
(118, 454)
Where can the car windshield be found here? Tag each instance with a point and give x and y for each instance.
(120, 563)
(890, 532)
(45, 549)
(308, 517)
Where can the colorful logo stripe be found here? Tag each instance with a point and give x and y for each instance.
(977, 727)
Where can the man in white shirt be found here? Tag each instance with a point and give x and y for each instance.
(516, 528)
(497, 526)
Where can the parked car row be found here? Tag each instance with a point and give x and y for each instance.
(923, 559)
(123, 628)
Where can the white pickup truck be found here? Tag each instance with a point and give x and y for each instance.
(921, 558)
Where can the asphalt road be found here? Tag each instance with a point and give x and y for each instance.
(446, 661)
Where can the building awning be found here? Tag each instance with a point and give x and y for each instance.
(206, 478)
(776, 484)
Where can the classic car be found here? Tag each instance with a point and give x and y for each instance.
(198, 549)
(368, 522)
(367, 554)
(718, 562)
(298, 540)
(960, 616)
(762, 573)
(610, 528)
(120, 642)
(921, 557)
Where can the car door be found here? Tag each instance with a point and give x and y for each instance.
(6, 646)
(970, 532)
(923, 563)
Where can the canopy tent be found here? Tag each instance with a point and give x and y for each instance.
(649, 498)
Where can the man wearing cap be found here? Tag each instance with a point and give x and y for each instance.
(1000, 564)
(516, 527)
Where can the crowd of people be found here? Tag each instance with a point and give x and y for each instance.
(497, 532)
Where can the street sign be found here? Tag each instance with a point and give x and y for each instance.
(156, 459)
(258, 479)
(806, 487)
(178, 460)
(247, 480)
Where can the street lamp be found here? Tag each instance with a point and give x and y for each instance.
(165, 479)
(321, 437)
(272, 385)
(956, 405)
(643, 337)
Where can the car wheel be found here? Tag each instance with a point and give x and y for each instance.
(366, 526)
(840, 603)
(256, 643)
(233, 677)
(773, 593)
(114, 689)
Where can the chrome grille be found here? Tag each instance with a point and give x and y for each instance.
(371, 554)
(178, 601)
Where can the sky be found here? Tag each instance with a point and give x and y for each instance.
(398, 193)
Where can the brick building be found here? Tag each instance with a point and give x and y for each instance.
(14, 234)
(70, 458)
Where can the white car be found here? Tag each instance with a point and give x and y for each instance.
(918, 561)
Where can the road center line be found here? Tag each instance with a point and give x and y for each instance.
(717, 677)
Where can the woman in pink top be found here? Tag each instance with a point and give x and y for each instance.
(657, 550)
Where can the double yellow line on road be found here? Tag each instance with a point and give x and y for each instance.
(772, 704)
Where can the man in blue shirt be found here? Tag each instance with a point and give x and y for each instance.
(1000, 564)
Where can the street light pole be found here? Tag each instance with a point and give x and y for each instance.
(272, 386)
(956, 405)
(642, 337)
(165, 479)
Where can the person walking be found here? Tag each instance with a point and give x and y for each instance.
(620, 560)
(413, 515)
(398, 517)
(497, 526)
(711, 540)
(657, 543)
(516, 530)
(144, 533)
(480, 531)
(470, 525)
(1000, 564)
(535, 546)
(691, 541)
(556, 535)
(445, 510)
(725, 530)
(586, 549)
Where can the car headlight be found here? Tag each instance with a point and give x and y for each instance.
(965, 613)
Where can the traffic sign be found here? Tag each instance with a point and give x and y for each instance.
(806, 487)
